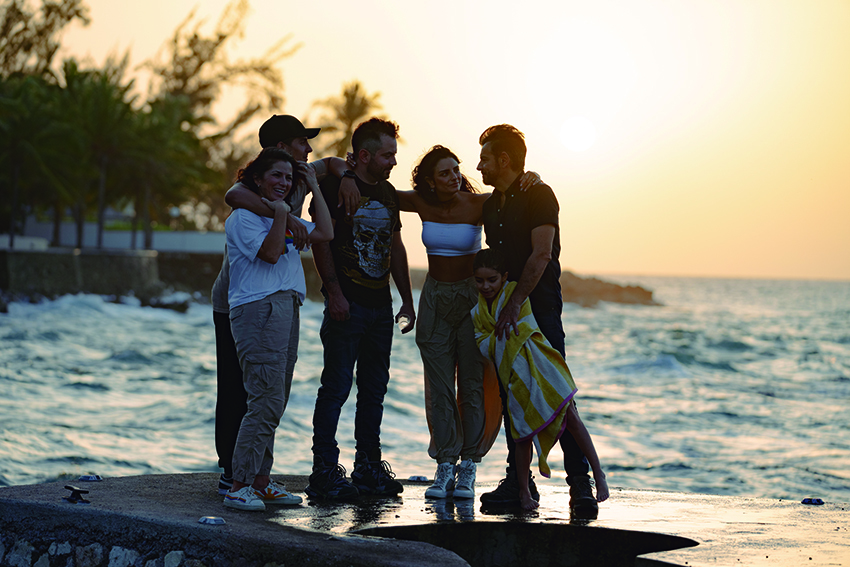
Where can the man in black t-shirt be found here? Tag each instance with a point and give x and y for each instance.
(523, 227)
(357, 328)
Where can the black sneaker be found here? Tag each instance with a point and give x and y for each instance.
(507, 493)
(374, 477)
(582, 502)
(330, 483)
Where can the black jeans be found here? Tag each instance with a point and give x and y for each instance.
(231, 399)
(575, 463)
(364, 340)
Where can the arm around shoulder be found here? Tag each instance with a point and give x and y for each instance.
(408, 201)
(324, 231)
(240, 197)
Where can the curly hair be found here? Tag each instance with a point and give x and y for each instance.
(264, 161)
(426, 168)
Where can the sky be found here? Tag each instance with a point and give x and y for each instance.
(681, 137)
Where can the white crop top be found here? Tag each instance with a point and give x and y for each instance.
(445, 239)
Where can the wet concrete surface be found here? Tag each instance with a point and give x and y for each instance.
(728, 530)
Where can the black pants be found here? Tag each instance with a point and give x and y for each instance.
(231, 399)
(575, 463)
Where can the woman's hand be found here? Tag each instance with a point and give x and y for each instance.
(529, 180)
(308, 174)
(300, 236)
(277, 206)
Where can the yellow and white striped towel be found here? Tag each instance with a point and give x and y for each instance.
(534, 375)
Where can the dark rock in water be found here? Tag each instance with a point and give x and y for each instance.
(587, 292)
(179, 302)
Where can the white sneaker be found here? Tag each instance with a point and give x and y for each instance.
(444, 481)
(465, 487)
(244, 499)
(276, 493)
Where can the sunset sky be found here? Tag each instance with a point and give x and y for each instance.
(687, 137)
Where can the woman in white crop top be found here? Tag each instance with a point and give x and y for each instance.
(464, 420)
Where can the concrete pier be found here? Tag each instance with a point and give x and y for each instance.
(152, 521)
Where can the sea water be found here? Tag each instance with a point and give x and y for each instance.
(731, 387)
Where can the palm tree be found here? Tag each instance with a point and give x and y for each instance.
(194, 66)
(100, 108)
(341, 116)
(35, 145)
(172, 157)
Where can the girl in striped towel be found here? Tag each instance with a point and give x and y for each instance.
(534, 376)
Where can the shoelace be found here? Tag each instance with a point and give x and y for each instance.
(337, 474)
(444, 475)
(464, 477)
(384, 469)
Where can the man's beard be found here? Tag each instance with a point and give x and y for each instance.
(488, 178)
(378, 173)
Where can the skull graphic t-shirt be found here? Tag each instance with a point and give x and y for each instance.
(362, 242)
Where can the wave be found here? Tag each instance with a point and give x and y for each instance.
(665, 363)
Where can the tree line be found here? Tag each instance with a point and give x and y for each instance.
(77, 139)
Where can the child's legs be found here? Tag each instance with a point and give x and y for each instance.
(577, 430)
(523, 455)
(523, 465)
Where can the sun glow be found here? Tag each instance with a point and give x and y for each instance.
(577, 133)
(578, 80)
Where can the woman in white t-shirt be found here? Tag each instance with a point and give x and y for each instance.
(266, 290)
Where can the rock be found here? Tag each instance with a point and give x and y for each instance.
(90, 555)
(60, 548)
(120, 557)
(21, 554)
(174, 558)
(587, 292)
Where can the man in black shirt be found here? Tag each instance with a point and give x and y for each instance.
(523, 227)
(357, 328)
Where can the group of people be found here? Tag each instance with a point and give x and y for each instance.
(488, 329)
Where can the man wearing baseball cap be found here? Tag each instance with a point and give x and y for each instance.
(286, 132)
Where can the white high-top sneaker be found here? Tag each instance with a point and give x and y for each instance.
(444, 481)
(465, 487)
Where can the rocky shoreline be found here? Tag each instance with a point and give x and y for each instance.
(33, 275)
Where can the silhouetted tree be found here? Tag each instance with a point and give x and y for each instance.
(29, 39)
(36, 148)
(99, 107)
(341, 116)
(196, 66)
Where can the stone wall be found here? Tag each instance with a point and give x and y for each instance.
(60, 271)
(146, 273)
(24, 553)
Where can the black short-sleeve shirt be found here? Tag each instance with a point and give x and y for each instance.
(362, 243)
(508, 230)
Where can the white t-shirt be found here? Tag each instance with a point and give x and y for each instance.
(222, 282)
(251, 278)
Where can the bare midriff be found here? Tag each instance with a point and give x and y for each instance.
(450, 268)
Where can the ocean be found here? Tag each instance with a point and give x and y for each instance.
(731, 387)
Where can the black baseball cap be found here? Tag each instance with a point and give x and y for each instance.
(282, 127)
